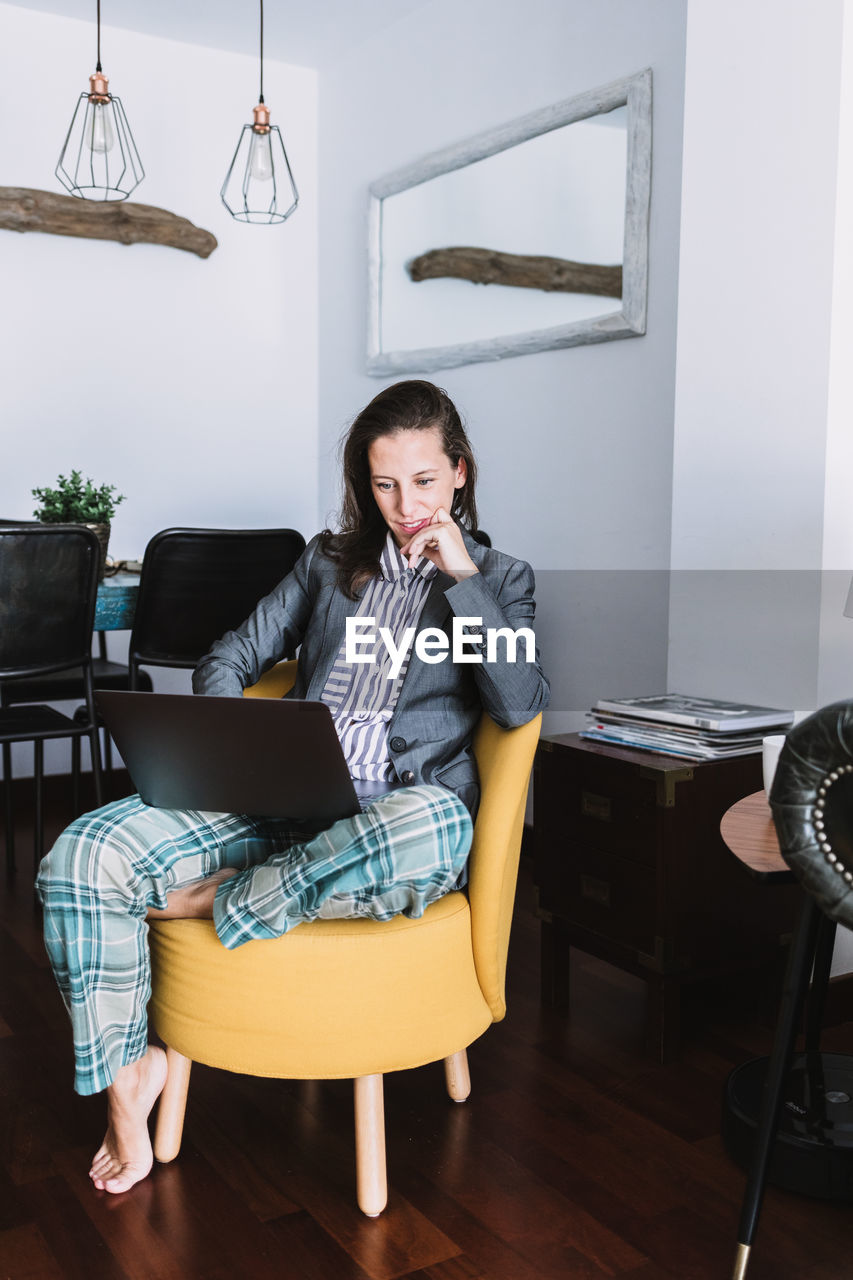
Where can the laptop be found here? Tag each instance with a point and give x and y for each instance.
(267, 757)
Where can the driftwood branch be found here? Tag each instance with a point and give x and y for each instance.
(522, 271)
(26, 209)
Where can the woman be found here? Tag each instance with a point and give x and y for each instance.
(404, 562)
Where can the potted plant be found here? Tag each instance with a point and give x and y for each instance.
(75, 500)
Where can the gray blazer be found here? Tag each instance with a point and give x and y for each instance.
(430, 732)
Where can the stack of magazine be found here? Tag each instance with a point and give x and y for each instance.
(678, 725)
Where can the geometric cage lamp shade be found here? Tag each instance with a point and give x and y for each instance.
(99, 160)
(259, 185)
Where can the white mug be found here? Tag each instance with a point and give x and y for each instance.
(770, 748)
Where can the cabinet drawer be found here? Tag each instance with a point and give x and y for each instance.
(609, 895)
(598, 806)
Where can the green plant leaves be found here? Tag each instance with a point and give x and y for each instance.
(74, 500)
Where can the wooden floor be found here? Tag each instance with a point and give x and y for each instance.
(574, 1157)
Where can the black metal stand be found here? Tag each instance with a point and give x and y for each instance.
(811, 955)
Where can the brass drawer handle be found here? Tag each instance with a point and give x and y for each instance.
(598, 807)
(595, 890)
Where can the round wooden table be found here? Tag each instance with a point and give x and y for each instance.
(747, 828)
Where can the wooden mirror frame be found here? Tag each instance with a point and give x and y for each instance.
(635, 92)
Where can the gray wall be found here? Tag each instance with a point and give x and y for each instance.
(575, 446)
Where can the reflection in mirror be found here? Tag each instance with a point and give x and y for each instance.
(525, 238)
(560, 196)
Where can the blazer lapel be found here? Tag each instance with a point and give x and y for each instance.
(334, 634)
(436, 609)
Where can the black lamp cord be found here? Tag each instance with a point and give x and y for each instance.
(261, 95)
(98, 66)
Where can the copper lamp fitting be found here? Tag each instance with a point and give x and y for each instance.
(262, 118)
(98, 87)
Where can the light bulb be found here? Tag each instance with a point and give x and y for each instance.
(260, 157)
(101, 136)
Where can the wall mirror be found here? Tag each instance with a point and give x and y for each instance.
(528, 237)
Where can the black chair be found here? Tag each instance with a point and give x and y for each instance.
(196, 584)
(48, 589)
(805, 1144)
(68, 685)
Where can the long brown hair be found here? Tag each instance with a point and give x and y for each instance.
(413, 405)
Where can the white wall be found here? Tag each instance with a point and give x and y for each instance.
(835, 655)
(762, 530)
(575, 446)
(191, 384)
(754, 328)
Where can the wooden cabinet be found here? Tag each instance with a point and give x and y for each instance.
(630, 867)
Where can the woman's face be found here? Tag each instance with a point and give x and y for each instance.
(411, 477)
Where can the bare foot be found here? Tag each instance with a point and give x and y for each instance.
(193, 901)
(126, 1157)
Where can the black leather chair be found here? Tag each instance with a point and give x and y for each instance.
(68, 685)
(805, 1144)
(812, 803)
(197, 584)
(48, 589)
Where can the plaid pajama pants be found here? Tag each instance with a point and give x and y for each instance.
(405, 850)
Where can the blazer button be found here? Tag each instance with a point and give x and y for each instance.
(407, 776)
(397, 744)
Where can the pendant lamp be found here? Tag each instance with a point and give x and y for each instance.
(99, 160)
(259, 185)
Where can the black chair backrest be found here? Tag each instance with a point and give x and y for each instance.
(196, 584)
(812, 803)
(48, 590)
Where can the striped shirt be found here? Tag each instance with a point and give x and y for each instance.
(360, 695)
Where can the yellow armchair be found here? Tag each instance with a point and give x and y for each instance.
(352, 998)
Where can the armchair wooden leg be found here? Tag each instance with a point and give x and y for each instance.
(457, 1076)
(371, 1179)
(173, 1104)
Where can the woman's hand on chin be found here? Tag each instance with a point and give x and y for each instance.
(441, 542)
